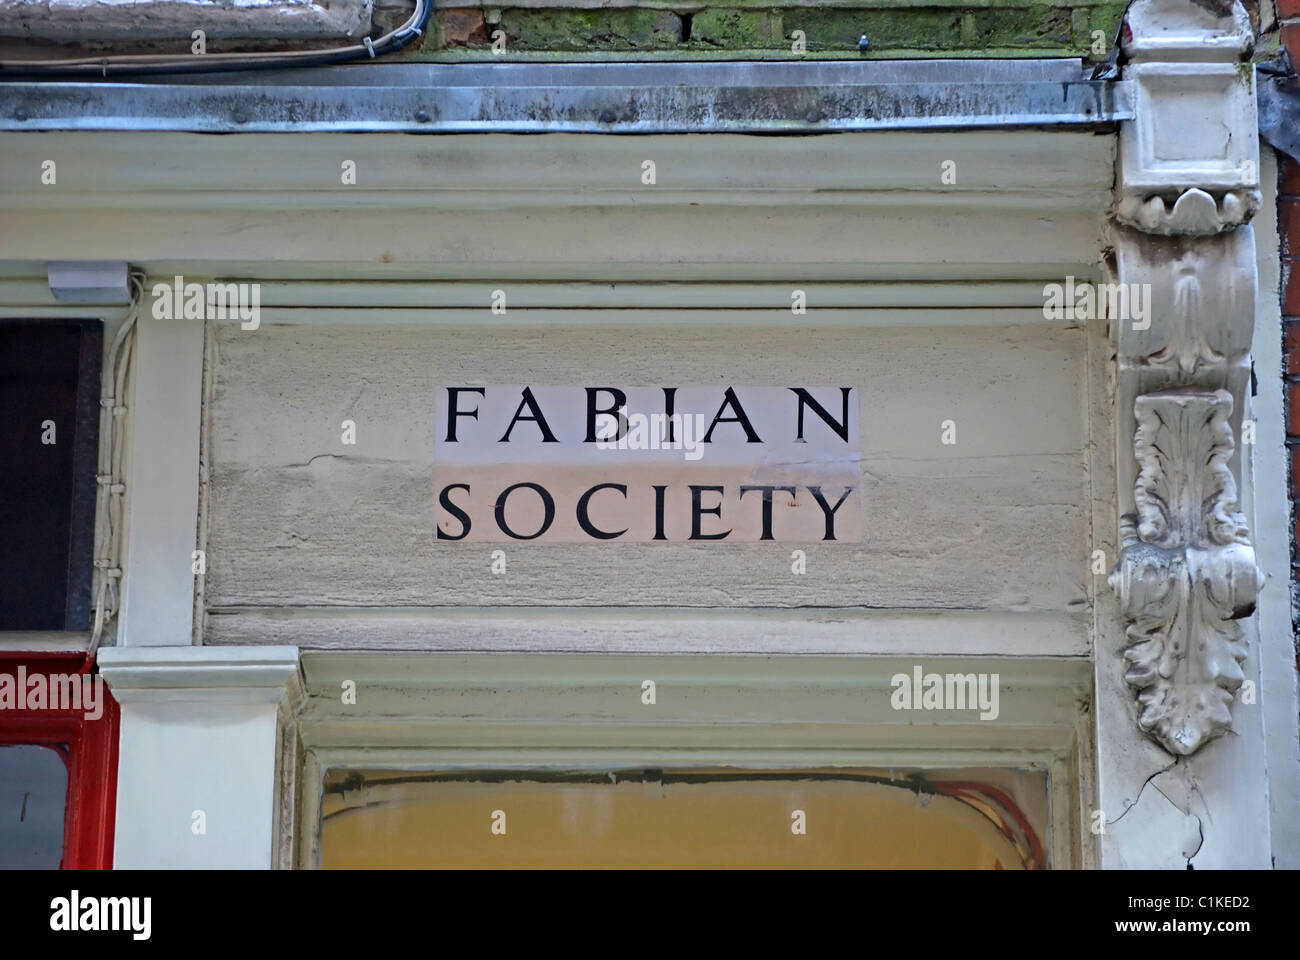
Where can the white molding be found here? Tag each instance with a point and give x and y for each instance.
(719, 689)
(314, 301)
(162, 481)
(443, 711)
(1279, 696)
(45, 641)
(1174, 103)
(167, 171)
(837, 318)
(804, 630)
(438, 298)
(899, 243)
(200, 742)
(148, 674)
(1178, 30)
(465, 208)
(1189, 160)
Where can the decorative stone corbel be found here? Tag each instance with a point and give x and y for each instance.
(1194, 211)
(1187, 189)
(1189, 160)
(1187, 571)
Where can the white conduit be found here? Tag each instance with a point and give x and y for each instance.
(108, 502)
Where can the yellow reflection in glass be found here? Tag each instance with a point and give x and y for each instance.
(676, 820)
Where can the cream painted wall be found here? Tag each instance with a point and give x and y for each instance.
(932, 306)
(994, 523)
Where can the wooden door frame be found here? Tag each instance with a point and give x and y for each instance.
(91, 758)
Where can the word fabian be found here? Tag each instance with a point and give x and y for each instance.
(598, 417)
(699, 509)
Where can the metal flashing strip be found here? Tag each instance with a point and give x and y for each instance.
(744, 97)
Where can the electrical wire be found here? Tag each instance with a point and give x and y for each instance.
(168, 63)
(108, 476)
(962, 790)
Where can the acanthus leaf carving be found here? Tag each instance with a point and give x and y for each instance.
(1195, 212)
(1201, 301)
(1187, 571)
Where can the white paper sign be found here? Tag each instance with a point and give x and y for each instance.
(584, 464)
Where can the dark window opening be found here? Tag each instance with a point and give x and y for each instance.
(49, 448)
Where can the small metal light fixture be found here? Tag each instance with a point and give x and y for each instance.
(863, 43)
(89, 281)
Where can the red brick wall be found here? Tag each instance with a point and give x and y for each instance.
(1288, 15)
(1288, 216)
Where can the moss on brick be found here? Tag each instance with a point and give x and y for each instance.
(911, 29)
(1105, 18)
(1028, 27)
(628, 29)
(979, 28)
(737, 29)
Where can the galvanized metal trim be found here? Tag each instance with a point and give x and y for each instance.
(584, 98)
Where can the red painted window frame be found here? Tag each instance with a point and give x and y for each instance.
(91, 759)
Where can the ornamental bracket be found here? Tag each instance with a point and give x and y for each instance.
(1188, 186)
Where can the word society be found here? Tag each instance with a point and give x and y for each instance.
(719, 495)
(709, 463)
